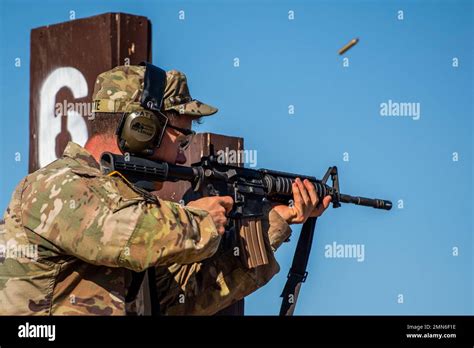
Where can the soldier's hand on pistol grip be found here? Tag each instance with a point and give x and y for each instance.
(217, 207)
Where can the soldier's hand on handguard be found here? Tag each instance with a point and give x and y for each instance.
(306, 203)
(217, 207)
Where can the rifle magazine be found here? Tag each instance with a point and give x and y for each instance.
(252, 242)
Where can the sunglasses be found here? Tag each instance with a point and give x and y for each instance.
(187, 136)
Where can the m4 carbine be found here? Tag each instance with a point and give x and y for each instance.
(250, 189)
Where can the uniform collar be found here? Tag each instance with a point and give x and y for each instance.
(81, 155)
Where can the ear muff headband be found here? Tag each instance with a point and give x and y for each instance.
(154, 83)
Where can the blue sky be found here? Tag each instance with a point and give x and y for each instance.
(286, 62)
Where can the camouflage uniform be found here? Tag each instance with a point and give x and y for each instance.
(204, 288)
(88, 232)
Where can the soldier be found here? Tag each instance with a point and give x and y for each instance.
(91, 231)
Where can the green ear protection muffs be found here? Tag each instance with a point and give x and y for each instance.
(140, 132)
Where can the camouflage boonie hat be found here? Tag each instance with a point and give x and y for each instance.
(177, 97)
(120, 90)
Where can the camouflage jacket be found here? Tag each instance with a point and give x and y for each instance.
(71, 238)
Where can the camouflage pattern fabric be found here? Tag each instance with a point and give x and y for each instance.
(206, 287)
(178, 98)
(120, 90)
(89, 230)
(71, 238)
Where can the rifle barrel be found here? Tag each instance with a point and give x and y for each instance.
(367, 202)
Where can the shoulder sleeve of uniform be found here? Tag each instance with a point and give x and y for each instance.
(103, 221)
